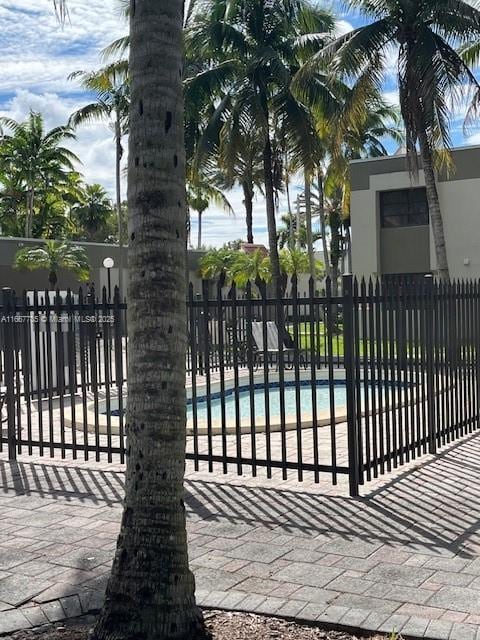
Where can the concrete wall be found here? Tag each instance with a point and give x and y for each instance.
(22, 279)
(377, 251)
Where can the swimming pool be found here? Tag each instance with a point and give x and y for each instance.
(271, 397)
(232, 424)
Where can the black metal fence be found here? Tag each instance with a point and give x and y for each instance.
(349, 386)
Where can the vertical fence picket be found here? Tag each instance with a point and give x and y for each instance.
(329, 328)
(263, 353)
(193, 324)
(349, 355)
(27, 327)
(315, 347)
(297, 381)
(9, 370)
(251, 378)
(221, 365)
(238, 419)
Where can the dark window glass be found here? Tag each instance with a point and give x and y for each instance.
(404, 208)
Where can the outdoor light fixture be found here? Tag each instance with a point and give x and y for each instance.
(109, 263)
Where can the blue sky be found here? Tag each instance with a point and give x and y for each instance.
(38, 55)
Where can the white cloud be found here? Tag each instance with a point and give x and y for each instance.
(94, 144)
(342, 27)
(38, 53)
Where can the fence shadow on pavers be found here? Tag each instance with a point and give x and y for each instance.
(433, 508)
(59, 481)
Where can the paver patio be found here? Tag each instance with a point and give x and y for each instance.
(406, 555)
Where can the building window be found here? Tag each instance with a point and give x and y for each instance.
(404, 208)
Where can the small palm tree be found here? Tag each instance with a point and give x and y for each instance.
(112, 101)
(54, 255)
(295, 262)
(252, 267)
(217, 263)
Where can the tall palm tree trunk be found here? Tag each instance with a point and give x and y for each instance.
(248, 203)
(323, 225)
(270, 206)
(30, 211)
(118, 189)
(308, 223)
(298, 224)
(434, 207)
(335, 250)
(348, 243)
(118, 178)
(150, 594)
(291, 230)
(199, 240)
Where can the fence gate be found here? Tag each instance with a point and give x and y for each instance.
(306, 385)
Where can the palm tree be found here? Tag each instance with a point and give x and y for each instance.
(431, 76)
(217, 264)
(34, 159)
(254, 267)
(150, 593)
(240, 160)
(254, 58)
(91, 213)
(200, 194)
(112, 98)
(295, 262)
(53, 256)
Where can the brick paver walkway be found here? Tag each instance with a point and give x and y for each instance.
(406, 555)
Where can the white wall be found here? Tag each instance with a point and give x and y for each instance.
(460, 203)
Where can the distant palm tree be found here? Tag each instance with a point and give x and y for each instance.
(431, 76)
(112, 100)
(53, 256)
(200, 194)
(241, 163)
(34, 159)
(92, 212)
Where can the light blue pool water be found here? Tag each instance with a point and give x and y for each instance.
(322, 400)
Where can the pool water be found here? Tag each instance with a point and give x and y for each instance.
(322, 393)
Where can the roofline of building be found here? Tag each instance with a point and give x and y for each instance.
(466, 147)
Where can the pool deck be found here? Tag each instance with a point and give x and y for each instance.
(404, 556)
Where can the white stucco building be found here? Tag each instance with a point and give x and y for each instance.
(391, 233)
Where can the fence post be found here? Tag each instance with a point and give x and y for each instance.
(430, 362)
(349, 363)
(8, 329)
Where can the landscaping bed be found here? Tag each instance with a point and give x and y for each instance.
(222, 626)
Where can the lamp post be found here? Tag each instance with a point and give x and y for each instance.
(109, 263)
